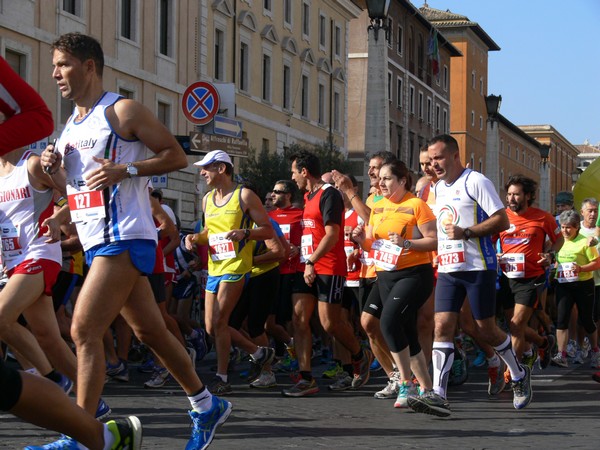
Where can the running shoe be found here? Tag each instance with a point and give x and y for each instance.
(361, 369)
(375, 366)
(252, 373)
(546, 353)
(571, 348)
(159, 378)
(391, 389)
(596, 377)
(286, 364)
(103, 410)
(586, 348)
(430, 403)
(343, 383)
(595, 360)
(64, 443)
(265, 380)
(65, 383)
(127, 433)
(459, 371)
(302, 388)
(578, 358)
(118, 372)
(200, 344)
(148, 365)
(560, 360)
(529, 360)
(325, 357)
(480, 359)
(333, 371)
(522, 389)
(406, 389)
(206, 423)
(219, 387)
(496, 382)
(266, 357)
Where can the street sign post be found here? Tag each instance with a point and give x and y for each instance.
(200, 103)
(201, 143)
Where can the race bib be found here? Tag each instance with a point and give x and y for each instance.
(366, 258)
(385, 254)
(285, 229)
(11, 247)
(307, 247)
(565, 273)
(513, 265)
(86, 206)
(451, 255)
(220, 247)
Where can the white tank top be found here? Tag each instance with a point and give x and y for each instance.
(120, 212)
(22, 211)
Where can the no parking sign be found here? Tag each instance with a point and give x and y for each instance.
(200, 103)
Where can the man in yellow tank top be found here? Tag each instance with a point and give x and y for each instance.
(230, 210)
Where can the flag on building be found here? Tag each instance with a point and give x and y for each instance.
(433, 51)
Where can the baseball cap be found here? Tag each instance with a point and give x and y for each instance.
(214, 156)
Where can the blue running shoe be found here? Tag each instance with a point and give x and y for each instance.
(64, 443)
(375, 366)
(65, 383)
(147, 366)
(480, 359)
(103, 410)
(206, 423)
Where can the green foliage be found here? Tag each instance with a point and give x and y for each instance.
(264, 168)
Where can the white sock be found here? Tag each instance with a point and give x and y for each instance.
(494, 361)
(202, 401)
(223, 377)
(258, 353)
(507, 354)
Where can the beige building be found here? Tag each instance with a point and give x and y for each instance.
(281, 65)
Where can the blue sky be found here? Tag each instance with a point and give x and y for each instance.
(548, 68)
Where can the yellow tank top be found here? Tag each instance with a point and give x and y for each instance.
(225, 256)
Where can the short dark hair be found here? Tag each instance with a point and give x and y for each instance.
(82, 47)
(399, 170)
(307, 160)
(290, 186)
(386, 157)
(529, 186)
(451, 143)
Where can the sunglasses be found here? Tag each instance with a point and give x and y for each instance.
(276, 192)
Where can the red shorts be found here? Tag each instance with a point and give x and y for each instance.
(51, 270)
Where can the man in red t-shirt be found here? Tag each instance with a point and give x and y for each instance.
(322, 276)
(522, 258)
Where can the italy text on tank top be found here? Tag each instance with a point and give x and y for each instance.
(313, 231)
(23, 209)
(119, 212)
(469, 200)
(227, 257)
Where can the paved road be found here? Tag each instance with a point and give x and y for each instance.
(565, 413)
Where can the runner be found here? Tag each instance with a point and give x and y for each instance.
(468, 213)
(102, 150)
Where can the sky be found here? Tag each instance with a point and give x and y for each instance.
(548, 68)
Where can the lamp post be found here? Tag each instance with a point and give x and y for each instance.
(492, 146)
(377, 116)
(544, 201)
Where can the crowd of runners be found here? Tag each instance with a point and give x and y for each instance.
(100, 274)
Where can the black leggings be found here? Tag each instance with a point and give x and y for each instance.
(11, 386)
(580, 293)
(402, 293)
(256, 302)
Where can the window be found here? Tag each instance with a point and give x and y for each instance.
(338, 41)
(164, 113)
(244, 67)
(126, 93)
(388, 32)
(480, 123)
(481, 85)
(502, 147)
(321, 104)
(304, 106)
(429, 111)
(219, 55)
(445, 78)
(336, 111)
(128, 15)
(437, 117)
(267, 5)
(411, 100)
(306, 19)
(389, 86)
(72, 7)
(17, 61)
(472, 161)
(322, 30)
(445, 121)
(265, 145)
(399, 98)
(517, 154)
(473, 79)
(399, 40)
(165, 37)
(421, 112)
(480, 165)
(266, 72)
(287, 89)
(472, 118)
(287, 11)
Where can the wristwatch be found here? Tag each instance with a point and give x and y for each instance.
(246, 233)
(131, 170)
(309, 262)
(407, 244)
(467, 233)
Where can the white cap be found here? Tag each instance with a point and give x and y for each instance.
(214, 156)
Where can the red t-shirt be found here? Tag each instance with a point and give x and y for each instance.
(351, 220)
(290, 222)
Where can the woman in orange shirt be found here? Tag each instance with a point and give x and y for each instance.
(400, 234)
